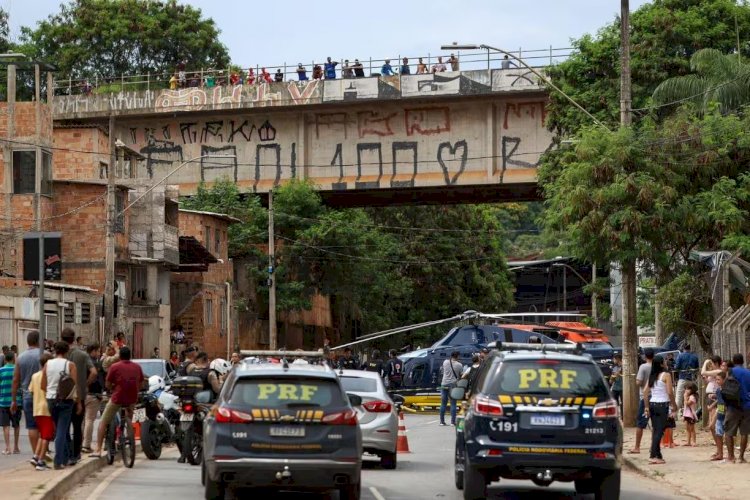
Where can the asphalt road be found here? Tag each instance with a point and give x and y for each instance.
(425, 473)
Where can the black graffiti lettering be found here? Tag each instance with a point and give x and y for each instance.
(266, 132)
(240, 130)
(166, 132)
(150, 134)
(294, 160)
(218, 158)
(338, 156)
(261, 147)
(133, 135)
(453, 149)
(509, 147)
(404, 146)
(369, 147)
(188, 132)
(213, 129)
(160, 153)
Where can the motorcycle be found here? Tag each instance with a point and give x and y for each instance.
(162, 424)
(193, 411)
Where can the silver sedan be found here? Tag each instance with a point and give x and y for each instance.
(377, 415)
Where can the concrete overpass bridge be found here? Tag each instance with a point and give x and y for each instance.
(470, 136)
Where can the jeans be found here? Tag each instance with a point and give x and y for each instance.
(659, 415)
(74, 446)
(444, 399)
(61, 413)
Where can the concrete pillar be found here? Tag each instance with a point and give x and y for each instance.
(152, 283)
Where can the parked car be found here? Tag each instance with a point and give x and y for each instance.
(377, 415)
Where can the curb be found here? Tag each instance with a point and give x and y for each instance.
(57, 489)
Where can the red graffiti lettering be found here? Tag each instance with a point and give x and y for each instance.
(427, 121)
(529, 108)
(373, 123)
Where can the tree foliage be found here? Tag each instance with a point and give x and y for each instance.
(110, 38)
(664, 35)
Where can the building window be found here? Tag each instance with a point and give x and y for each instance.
(69, 313)
(46, 172)
(209, 312)
(207, 234)
(138, 285)
(24, 172)
(119, 214)
(217, 242)
(85, 313)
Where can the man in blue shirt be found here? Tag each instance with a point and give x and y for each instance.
(687, 367)
(387, 69)
(738, 419)
(330, 69)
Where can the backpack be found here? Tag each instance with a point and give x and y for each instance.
(65, 385)
(396, 373)
(731, 391)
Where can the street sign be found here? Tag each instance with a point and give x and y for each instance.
(646, 341)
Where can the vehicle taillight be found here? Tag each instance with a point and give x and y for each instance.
(224, 415)
(346, 417)
(547, 362)
(607, 409)
(378, 406)
(187, 408)
(484, 406)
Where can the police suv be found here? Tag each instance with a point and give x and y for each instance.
(540, 412)
(283, 426)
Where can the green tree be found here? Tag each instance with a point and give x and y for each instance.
(109, 38)
(717, 78)
(664, 35)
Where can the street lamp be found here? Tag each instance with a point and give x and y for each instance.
(170, 175)
(458, 46)
(565, 288)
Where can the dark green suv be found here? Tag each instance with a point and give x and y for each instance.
(539, 412)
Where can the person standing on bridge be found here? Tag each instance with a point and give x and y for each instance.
(301, 73)
(453, 62)
(405, 69)
(421, 67)
(439, 67)
(330, 69)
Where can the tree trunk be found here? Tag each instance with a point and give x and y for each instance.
(661, 335)
(629, 344)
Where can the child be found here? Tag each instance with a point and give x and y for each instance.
(720, 411)
(689, 412)
(42, 416)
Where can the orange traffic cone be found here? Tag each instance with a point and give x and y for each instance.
(667, 438)
(402, 443)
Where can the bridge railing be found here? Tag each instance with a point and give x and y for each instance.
(99, 84)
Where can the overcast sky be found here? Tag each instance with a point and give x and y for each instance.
(292, 31)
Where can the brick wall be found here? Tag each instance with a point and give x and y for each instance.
(74, 161)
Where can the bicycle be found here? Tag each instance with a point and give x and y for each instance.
(121, 436)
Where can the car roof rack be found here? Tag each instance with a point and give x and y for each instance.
(576, 348)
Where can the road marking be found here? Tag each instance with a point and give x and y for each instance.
(104, 484)
(376, 493)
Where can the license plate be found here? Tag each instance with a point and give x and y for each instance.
(548, 420)
(139, 415)
(287, 431)
(186, 417)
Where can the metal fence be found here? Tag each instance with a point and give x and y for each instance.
(488, 59)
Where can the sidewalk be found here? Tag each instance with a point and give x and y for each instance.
(688, 469)
(25, 482)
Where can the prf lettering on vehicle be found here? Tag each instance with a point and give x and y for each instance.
(546, 378)
(287, 392)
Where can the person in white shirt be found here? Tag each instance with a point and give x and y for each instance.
(452, 370)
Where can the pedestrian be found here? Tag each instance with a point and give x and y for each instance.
(421, 67)
(359, 70)
(330, 69)
(250, 80)
(234, 79)
(86, 374)
(711, 368)
(195, 81)
(181, 75)
(405, 70)
(347, 361)
(27, 364)
(301, 73)
(174, 362)
(393, 371)
(687, 368)
(346, 70)
(737, 418)
(41, 415)
(210, 81)
(689, 412)
(120, 340)
(173, 81)
(94, 394)
(452, 370)
(110, 356)
(265, 76)
(641, 379)
(660, 395)
(58, 382)
(718, 423)
(507, 62)
(471, 370)
(374, 364)
(156, 354)
(616, 380)
(9, 418)
(453, 60)
(317, 73)
(6, 350)
(188, 365)
(386, 69)
(235, 359)
(278, 76)
(438, 67)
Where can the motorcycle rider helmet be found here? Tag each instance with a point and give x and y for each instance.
(155, 383)
(221, 366)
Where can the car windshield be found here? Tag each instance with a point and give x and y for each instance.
(546, 377)
(150, 368)
(359, 384)
(286, 393)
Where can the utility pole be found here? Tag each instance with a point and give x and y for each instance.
(629, 331)
(271, 276)
(594, 296)
(109, 273)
